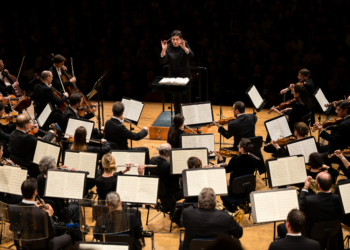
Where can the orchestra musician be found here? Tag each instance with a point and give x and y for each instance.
(176, 130)
(56, 70)
(178, 54)
(116, 132)
(22, 145)
(4, 134)
(43, 94)
(5, 89)
(238, 166)
(340, 136)
(346, 163)
(304, 80)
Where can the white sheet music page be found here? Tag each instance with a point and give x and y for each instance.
(286, 201)
(204, 113)
(18, 176)
(134, 110)
(255, 97)
(284, 127)
(53, 151)
(127, 188)
(278, 128)
(75, 185)
(207, 141)
(71, 160)
(190, 114)
(179, 160)
(148, 190)
(202, 154)
(44, 115)
(73, 124)
(87, 246)
(309, 147)
(40, 151)
(196, 181)
(322, 100)
(53, 178)
(132, 157)
(279, 172)
(345, 196)
(297, 170)
(87, 162)
(189, 141)
(4, 179)
(217, 180)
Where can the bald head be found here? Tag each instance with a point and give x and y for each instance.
(164, 149)
(45, 74)
(21, 121)
(324, 181)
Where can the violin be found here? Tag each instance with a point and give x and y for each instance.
(331, 104)
(226, 153)
(10, 99)
(282, 142)
(8, 118)
(32, 130)
(329, 123)
(23, 103)
(345, 152)
(223, 121)
(284, 105)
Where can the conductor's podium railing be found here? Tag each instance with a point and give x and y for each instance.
(200, 69)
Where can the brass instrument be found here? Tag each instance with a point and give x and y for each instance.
(238, 216)
(313, 187)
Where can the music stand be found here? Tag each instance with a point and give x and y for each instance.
(255, 98)
(96, 90)
(321, 99)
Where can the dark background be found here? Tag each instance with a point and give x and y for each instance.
(240, 42)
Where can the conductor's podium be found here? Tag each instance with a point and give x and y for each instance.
(160, 127)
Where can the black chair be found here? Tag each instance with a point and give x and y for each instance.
(197, 243)
(325, 230)
(119, 238)
(307, 120)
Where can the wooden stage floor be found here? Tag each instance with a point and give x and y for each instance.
(254, 236)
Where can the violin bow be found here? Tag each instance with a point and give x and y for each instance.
(64, 90)
(131, 123)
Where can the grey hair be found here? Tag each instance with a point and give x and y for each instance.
(46, 163)
(118, 109)
(164, 149)
(113, 200)
(207, 198)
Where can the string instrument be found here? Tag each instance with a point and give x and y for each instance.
(331, 104)
(329, 123)
(23, 103)
(188, 130)
(4, 160)
(282, 142)
(226, 153)
(9, 100)
(224, 164)
(345, 152)
(131, 123)
(70, 139)
(223, 121)
(8, 118)
(296, 84)
(284, 105)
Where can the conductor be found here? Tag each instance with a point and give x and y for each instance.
(177, 54)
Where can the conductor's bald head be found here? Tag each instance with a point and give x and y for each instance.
(324, 181)
(22, 121)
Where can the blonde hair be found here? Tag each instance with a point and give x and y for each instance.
(113, 200)
(108, 163)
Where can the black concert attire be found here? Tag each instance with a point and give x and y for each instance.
(56, 82)
(334, 173)
(317, 208)
(116, 132)
(171, 182)
(238, 166)
(297, 113)
(55, 243)
(338, 139)
(6, 90)
(179, 66)
(104, 185)
(69, 112)
(207, 223)
(43, 94)
(5, 138)
(22, 145)
(295, 242)
(175, 140)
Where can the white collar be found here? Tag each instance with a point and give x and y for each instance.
(290, 234)
(118, 119)
(346, 117)
(324, 192)
(28, 202)
(240, 114)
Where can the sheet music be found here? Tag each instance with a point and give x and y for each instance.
(297, 170)
(196, 181)
(345, 196)
(278, 173)
(53, 151)
(148, 190)
(274, 205)
(255, 97)
(322, 100)
(44, 115)
(87, 162)
(122, 158)
(196, 141)
(190, 114)
(11, 179)
(287, 171)
(132, 109)
(197, 114)
(304, 147)
(71, 185)
(73, 124)
(71, 159)
(180, 157)
(99, 246)
(278, 128)
(45, 149)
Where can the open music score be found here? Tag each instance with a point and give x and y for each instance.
(103, 246)
(255, 97)
(198, 141)
(71, 184)
(180, 156)
(278, 127)
(123, 157)
(45, 114)
(305, 147)
(44, 148)
(11, 179)
(84, 161)
(197, 113)
(132, 109)
(286, 171)
(194, 180)
(344, 192)
(138, 189)
(321, 99)
(74, 123)
(273, 205)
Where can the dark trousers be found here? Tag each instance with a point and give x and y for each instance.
(168, 201)
(60, 242)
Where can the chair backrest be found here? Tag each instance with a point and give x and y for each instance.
(161, 188)
(325, 229)
(257, 141)
(200, 243)
(119, 238)
(97, 210)
(188, 204)
(243, 184)
(34, 244)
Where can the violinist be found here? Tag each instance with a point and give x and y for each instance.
(176, 130)
(4, 135)
(44, 94)
(238, 166)
(241, 127)
(304, 80)
(5, 87)
(340, 136)
(22, 144)
(57, 72)
(301, 107)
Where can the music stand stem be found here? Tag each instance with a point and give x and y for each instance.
(131, 129)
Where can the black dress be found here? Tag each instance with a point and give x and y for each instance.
(175, 141)
(106, 184)
(297, 113)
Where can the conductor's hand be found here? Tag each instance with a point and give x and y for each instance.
(140, 169)
(283, 91)
(73, 79)
(145, 128)
(183, 44)
(307, 182)
(164, 45)
(66, 94)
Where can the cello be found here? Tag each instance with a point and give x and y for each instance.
(11, 80)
